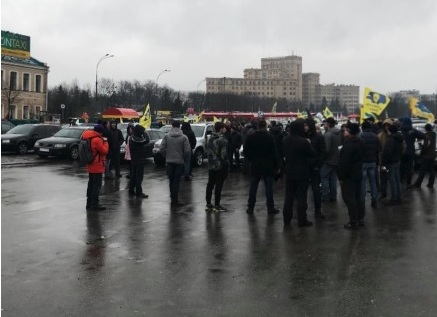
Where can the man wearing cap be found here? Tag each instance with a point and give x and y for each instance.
(349, 172)
(95, 169)
(329, 179)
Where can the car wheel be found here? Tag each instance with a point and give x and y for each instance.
(22, 148)
(74, 152)
(198, 158)
(159, 160)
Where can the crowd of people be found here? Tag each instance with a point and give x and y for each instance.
(310, 156)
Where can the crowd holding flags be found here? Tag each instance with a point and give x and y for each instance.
(418, 109)
(374, 104)
(146, 118)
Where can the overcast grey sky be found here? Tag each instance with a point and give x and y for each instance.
(387, 45)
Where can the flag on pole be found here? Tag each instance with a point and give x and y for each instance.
(214, 119)
(274, 107)
(366, 115)
(146, 118)
(327, 113)
(419, 110)
(197, 119)
(374, 102)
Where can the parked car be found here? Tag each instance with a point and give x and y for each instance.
(201, 131)
(64, 143)
(22, 138)
(165, 128)
(154, 136)
(6, 126)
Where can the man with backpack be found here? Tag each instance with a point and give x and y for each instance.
(96, 166)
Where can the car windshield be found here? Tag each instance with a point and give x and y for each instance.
(166, 129)
(198, 130)
(69, 133)
(21, 129)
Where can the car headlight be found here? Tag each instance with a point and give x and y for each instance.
(6, 141)
(156, 145)
(59, 145)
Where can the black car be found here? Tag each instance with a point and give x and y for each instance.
(6, 126)
(64, 143)
(22, 138)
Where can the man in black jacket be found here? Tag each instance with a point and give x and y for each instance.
(138, 149)
(261, 152)
(370, 157)
(318, 144)
(427, 158)
(188, 165)
(115, 140)
(297, 152)
(349, 172)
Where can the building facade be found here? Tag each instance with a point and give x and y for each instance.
(347, 95)
(310, 85)
(24, 88)
(278, 77)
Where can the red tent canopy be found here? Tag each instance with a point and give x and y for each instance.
(356, 116)
(117, 113)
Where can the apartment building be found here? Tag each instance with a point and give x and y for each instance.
(278, 77)
(24, 80)
(347, 95)
(310, 84)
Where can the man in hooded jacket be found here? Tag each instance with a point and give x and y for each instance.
(138, 150)
(175, 147)
(115, 140)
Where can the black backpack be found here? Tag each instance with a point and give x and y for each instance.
(85, 153)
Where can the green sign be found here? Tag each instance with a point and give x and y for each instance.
(16, 45)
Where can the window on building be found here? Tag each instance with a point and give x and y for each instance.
(38, 83)
(26, 112)
(26, 78)
(13, 112)
(13, 81)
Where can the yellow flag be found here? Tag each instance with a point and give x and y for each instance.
(365, 114)
(146, 118)
(419, 110)
(374, 102)
(197, 118)
(186, 119)
(214, 119)
(327, 113)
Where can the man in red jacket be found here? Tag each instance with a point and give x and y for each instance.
(99, 147)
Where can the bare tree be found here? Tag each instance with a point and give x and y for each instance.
(10, 95)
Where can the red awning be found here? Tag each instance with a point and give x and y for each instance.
(117, 113)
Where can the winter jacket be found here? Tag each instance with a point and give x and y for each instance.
(261, 151)
(297, 152)
(318, 144)
(236, 140)
(217, 152)
(332, 142)
(100, 148)
(350, 163)
(115, 140)
(191, 138)
(429, 145)
(138, 145)
(175, 146)
(410, 136)
(393, 149)
(278, 135)
(371, 146)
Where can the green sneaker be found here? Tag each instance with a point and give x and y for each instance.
(209, 207)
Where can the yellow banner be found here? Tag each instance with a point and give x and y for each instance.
(419, 110)
(327, 113)
(374, 102)
(146, 119)
(15, 53)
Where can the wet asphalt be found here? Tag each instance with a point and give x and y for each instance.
(143, 258)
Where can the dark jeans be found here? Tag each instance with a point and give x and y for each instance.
(351, 193)
(315, 182)
(369, 172)
(234, 153)
(174, 173)
(188, 165)
(215, 179)
(426, 166)
(296, 189)
(93, 189)
(136, 178)
(329, 181)
(406, 169)
(268, 183)
(395, 181)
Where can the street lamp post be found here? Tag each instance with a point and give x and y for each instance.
(200, 83)
(97, 68)
(157, 78)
